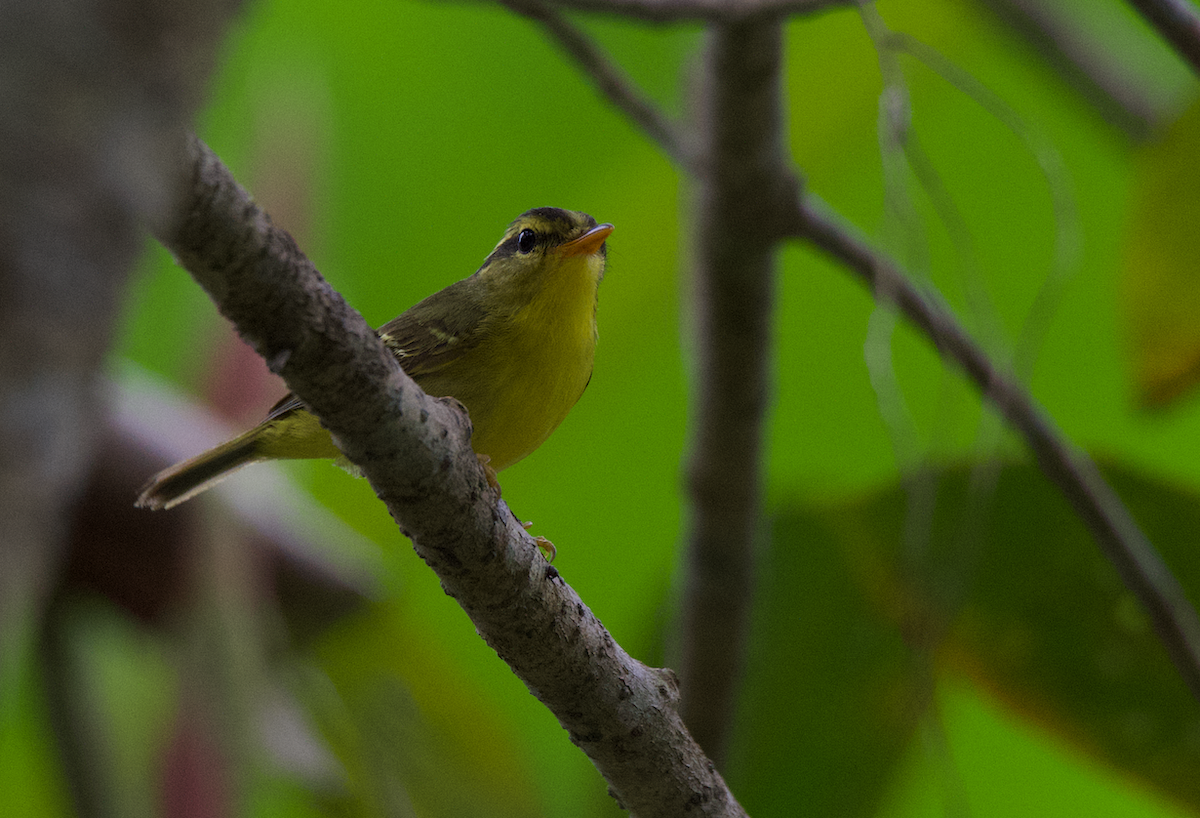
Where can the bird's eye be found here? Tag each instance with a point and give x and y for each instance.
(526, 241)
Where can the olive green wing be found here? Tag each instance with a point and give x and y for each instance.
(439, 330)
(427, 336)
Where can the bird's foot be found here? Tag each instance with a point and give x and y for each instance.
(544, 545)
(488, 471)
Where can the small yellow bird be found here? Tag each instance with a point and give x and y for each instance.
(514, 343)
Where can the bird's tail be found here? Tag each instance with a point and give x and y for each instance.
(185, 480)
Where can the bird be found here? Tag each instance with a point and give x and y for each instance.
(514, 343)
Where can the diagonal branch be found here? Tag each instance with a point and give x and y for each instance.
(609, 79)
(1178, 21)
(1112, 526)
(416, 452)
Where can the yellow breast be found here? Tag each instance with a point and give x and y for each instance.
(538, 362)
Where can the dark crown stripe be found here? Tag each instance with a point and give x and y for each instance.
(552, 221)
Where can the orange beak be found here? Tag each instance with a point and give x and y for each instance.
(588, 243)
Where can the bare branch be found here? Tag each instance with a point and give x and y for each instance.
(676, 11)
(416, 452)
(609, 78)
(1114, 529)
(1178, 22)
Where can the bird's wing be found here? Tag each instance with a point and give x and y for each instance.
(437, 331)
(425, 338)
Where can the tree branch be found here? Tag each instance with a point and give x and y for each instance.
(739, 195)
(1178, 22)
(609, 79)
(1114, 529)
(416, 452)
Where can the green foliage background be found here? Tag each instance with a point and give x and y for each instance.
(398, 138)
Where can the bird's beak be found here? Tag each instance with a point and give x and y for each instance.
(588, 243)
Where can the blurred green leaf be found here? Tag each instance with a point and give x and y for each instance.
(831, 696)
(1004, 588)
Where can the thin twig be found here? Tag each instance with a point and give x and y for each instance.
(1068, 232)
(1114, 529)
(1178, 21)
(416, 452)
(715, 11)
(610, 80)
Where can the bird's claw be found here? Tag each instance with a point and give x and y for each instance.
(488, 471)
(544, 545)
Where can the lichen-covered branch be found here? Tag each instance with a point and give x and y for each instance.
(416, 452)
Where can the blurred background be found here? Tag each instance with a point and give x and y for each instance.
(931, 636)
